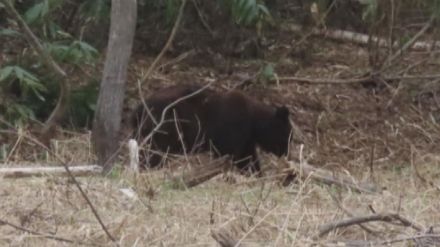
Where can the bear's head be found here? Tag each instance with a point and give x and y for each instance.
(273, 131)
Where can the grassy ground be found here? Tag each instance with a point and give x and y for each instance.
(251, 211)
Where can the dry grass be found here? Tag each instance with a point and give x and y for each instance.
(256, 213)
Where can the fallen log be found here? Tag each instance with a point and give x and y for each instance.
(360, 38)
(22, 172)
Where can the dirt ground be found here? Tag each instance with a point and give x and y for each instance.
(385, 133)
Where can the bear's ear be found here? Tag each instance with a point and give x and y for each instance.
(282, 112)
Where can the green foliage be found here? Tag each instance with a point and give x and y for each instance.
(9, 32)
(248, 12)
(20, 113)
(28, 82)
(82, 104)
(171, 10)
(37, 12)
(27, 89)
(77, 52)
(4, 150)
(434, 6)
(42, 16)
(268, 72)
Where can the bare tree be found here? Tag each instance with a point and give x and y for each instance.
(107, 120)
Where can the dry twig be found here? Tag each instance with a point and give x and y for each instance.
(326, 228)
(48, 236)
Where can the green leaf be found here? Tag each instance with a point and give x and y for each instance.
(251, 15)
(263, 9)
(53, 29)
(19, 73)
(268, 71)
(35, 85)
(37, 93)
(23, 111)
(22, 74)
(34, 12)
(5, 72)
(45, 8)
(92, 106)
(9, 32)
(86, 47)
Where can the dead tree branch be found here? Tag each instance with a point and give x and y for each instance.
(339, 204)
(359, 38)
(326, 228)
(22, 172)
(354, 80)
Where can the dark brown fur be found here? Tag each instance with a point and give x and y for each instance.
(228, 123)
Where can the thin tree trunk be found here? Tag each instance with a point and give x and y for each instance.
(107, 120)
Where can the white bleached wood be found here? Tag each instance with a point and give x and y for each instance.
(133, 151)
(38, 171)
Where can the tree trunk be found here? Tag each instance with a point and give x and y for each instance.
(107, 120)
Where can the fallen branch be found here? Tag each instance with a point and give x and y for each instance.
(354, 80)
(326, 228)
(22, 172)
(340, 206)
(305, 170)
(412, 41)
(359, 38)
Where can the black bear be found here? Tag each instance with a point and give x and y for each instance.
(228, 123)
